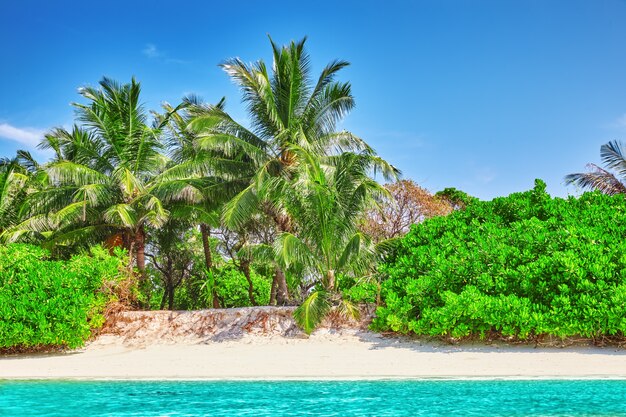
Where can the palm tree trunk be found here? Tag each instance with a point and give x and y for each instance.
(205, 230)
(140, 248)
(216, 300)
(273, 293)
(330, 280)
(282, 293)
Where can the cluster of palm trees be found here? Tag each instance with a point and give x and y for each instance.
(122, 172)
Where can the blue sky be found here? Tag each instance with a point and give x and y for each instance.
(480, 95)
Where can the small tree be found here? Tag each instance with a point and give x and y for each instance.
(172, 256)
(408, 204)
(326, 201)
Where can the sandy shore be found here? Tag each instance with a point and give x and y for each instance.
(347, 354)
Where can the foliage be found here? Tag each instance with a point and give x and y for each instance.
(456, 199)
(601, 179)
(326, 202)
(172, 259)
(16, 178)
(165, 185)
(231, 285)
(289, 111)
(47, 302)
(523, 265)
(101, 180)
(311, 312)
(408, 204)
(362, 293)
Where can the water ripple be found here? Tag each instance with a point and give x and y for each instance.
(313, 398)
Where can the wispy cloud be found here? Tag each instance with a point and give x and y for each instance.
(151, 51)
(24, 135)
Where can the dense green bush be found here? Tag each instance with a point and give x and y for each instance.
(229, 283)
(522, 265)
(47, 302)
(358, 291)
(232, 288)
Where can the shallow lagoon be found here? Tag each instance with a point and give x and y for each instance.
(314, 398)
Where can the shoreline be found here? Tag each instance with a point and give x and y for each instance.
(345, 355)
(322, 379)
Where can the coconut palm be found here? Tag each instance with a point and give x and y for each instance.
(199, 181)
(13, 178)
(100, 182)
(286, 109)
(188, 188)
(327, 201)
(600, 179)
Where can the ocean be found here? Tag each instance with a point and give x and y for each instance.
(314, 398)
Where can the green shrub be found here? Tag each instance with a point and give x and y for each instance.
(521, 265)
(232, 288)
(46, 302)
(358, 292)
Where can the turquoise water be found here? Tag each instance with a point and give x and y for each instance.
(311, 398)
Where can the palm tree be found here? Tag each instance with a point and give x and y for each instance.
(286, 109)
(601, 179)
(327, 201)
(199, 181)
(100, 182)
(13, 179)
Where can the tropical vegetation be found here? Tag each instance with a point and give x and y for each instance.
(54, 302)
(522, 266)
(187, 208)
(602, 179)
(209, 212)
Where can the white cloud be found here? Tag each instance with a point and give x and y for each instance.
(26, 136)
(151, 51)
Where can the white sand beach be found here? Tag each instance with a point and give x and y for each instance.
(150, 349)
(322, 356)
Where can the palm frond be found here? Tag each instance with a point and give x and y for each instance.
(612, 156)
(240, 209)
(34, 225)
(67, 172)
(348, 309)
(121, 215)
(352, 249)
(313, 310)
(260, 253)
(128, 183)
(289, 249)
(598, 179)
(326, 77)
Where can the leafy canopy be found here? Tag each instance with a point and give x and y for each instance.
(524, 265)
